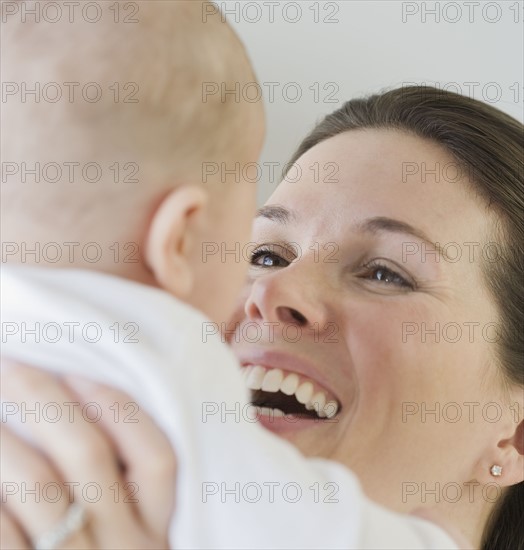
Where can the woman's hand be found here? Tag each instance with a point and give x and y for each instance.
(94, 447)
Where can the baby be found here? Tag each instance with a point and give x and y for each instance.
(107, 206)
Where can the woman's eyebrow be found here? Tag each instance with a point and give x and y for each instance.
(381, 223)
(276, 213)
(282, 215)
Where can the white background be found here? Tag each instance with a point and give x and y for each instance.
(356, 47)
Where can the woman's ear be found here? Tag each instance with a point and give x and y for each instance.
(512, 457)
(171, 234)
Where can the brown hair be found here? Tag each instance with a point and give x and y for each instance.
(489, 144)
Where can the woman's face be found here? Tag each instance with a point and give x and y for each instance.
(347, 291)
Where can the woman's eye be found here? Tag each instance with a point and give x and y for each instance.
(388, 276)
(267, 258)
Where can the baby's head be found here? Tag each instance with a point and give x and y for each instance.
(131, 130)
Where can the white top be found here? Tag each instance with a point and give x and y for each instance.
(239, 486)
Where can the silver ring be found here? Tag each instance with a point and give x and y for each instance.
(74, 520)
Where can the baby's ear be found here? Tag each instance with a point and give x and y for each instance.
(172, 231)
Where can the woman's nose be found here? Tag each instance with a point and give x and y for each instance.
(284, 297)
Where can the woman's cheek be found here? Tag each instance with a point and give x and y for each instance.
(375, 343)
(391, 369)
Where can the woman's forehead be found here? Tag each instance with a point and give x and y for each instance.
(379, 173)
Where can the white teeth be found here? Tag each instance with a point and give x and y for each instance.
(290, 384)
(266, 411)
(255, 378)
(272, 380)
(331, 409)
(318, 401)
(304, 392)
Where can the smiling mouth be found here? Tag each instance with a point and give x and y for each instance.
(288, 393)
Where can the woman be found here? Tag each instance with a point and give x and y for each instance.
(392, 285)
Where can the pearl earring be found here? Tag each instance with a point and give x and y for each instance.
(496, 470)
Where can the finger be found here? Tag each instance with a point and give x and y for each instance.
(25, 476)
(79, 449)
(144, 449)
(11, 534)
(33, 496)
